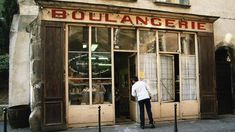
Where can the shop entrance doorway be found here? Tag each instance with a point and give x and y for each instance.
(224, 81)
(124, 68)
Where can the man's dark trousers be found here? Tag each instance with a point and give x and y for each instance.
(147, 104)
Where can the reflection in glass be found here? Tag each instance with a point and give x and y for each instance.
(148, 61)
(132, 68)
(79, 91)
(101, 65)
(101, 91)
(168, 42)
(184, 2)
(101, 39)
(78, 65)
(187, 44)
(147, 41)
(78, 38)
(124, 39)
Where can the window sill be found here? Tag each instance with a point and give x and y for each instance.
(172, 4)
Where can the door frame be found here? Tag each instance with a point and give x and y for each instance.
(132, 109)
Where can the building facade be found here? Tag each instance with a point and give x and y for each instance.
(82, 55)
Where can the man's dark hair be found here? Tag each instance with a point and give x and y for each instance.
(135, 78)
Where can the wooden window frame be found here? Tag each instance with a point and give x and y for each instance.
(172, 4)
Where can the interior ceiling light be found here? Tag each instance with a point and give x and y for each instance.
(94, 47)
(84, 45)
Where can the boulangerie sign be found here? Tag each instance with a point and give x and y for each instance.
(69, 15)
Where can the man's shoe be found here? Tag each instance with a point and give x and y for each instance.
(142, 127)
(152, 126)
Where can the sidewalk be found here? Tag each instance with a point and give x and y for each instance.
(225, 123)
(222, 124)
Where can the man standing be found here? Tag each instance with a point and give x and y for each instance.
(141, 91)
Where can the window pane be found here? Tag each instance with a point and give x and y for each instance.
(78, 65)
(78, 38)
(187, 44)
(101, 54)
(132, 71)
(167, 72)
(101, 91)
(101, 65)
(183, 2)
(148, 60)
(168, 42)
(147, 42)
(79, 91)
(188, 64)
(125, 39)
(101, 39)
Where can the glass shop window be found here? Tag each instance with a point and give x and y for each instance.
(148, 61)
(101, 65)
(167, 77)
(171, 76)
(124, 39)
(168, 42)
(78, 65)
(187, 44)
(188, 65)
(79, 73)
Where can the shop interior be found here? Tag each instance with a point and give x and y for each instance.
(122, 73)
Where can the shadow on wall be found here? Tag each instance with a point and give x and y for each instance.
(225, 79)
(4, 87)
(3, 92)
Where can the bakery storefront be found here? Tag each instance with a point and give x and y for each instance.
(90, 54)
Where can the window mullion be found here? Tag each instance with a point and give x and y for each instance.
(180, 68)
(90, 68)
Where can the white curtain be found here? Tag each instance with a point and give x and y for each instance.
(188, 77)
(148, 64)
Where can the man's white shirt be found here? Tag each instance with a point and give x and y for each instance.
(140, 90)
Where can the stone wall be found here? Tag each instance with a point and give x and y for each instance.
(19, 69)
(35, 61)
(35, 75)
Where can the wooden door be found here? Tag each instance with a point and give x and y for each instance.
(132, 71)
(53, 92)
(208, 100)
